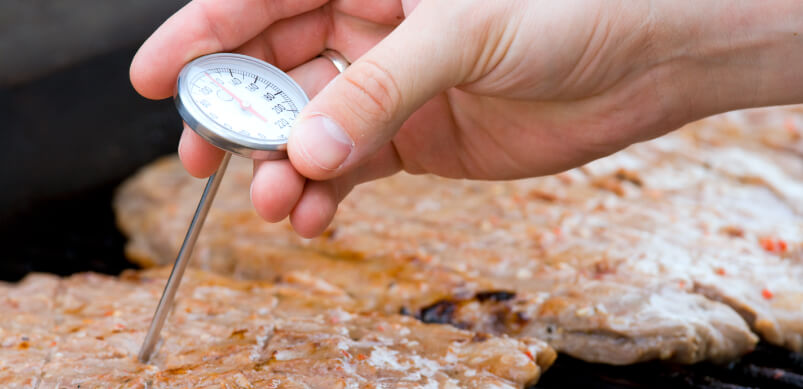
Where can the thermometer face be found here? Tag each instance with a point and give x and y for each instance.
(239, 104)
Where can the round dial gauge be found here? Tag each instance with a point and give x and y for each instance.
(239, 104)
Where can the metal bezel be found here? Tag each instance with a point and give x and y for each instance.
(218, 135)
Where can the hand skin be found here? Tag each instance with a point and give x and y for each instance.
(477, 89)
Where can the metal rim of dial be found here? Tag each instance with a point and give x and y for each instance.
(212, 131)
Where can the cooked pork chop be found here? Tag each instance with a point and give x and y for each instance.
(673, 249)
(85, 331)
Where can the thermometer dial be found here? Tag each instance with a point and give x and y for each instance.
(239, 104)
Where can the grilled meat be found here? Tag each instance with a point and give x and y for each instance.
(678, 248)
(85, 331)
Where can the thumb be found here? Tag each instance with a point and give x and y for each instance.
(362, 108)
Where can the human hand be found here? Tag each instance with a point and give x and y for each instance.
(474, 89)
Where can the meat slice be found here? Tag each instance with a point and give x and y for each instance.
(408, 281)
(25, 330)
(665, 250)
(625, 323)
(622, 327)
(225, 333)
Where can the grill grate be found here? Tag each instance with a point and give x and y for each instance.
(768, 367)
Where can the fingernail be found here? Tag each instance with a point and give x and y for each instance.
(323, 141)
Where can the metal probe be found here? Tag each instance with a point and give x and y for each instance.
(183, 258)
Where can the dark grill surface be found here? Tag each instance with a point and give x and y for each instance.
(767, 367)
(64, 236)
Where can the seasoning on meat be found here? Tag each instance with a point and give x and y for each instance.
(226, 333)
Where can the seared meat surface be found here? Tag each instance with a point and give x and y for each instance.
(684, 248)
(85, 331)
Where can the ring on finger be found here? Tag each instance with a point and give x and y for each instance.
(340, 62)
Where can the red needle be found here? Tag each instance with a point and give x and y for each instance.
(242, 103)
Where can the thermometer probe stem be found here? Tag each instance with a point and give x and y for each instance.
(183, 258)
(232, 131)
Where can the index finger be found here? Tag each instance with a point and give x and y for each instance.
(203, 27)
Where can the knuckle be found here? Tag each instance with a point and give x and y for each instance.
(374, 95)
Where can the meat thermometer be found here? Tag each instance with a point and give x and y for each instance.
(244, 106)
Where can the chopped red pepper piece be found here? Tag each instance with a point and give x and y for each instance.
(773, 245)
(767, 243)
(720, 271)
(361, 357)
(767, 293)
(529, 354)
(345, 353)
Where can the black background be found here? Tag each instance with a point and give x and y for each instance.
(68, 140)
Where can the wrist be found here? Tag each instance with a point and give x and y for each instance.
(732, 54)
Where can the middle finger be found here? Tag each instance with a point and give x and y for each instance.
(276, 186)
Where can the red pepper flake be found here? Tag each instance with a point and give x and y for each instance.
(767, 294)
(557, 231)
(380, 327)
(767, 244)
(334, 320)
(53, 343)
(361, 357)
(108, 313)
(720, 271)
(773, 245)
(529, 354)
(345, 353)
(119, 326)
(682, 284)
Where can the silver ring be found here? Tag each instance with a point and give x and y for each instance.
(340, 62)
